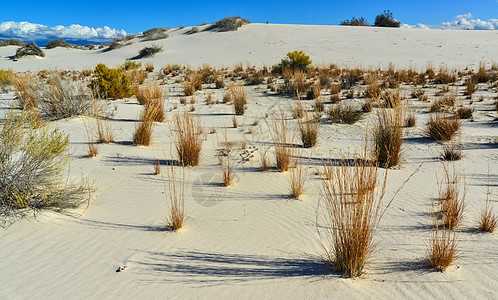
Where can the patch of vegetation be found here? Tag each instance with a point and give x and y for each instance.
(154, 34)
(295, 61)
(32, 167)
(228, 24)
(355, 22)
(148, 52)
(58, 43)
(11, 42)
(29, 49)
(386, 20)
(111, 83)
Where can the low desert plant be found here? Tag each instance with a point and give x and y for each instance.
(239, 99)
(143, 131)
(390, 99)
(441, 127)
(57, 43)
(148, 52)
(33, 165)
(6, 78)
(452, 152)
(410, 120)
(464, 112)
(157, 167)
(355, 22)
(387, 136)
(149, 67)
(308, 130)
(419, 94)
(345, 112)
(442, 247)
(386, 20)
(470, 85)
(27, 50)
(188, 139)
(111, 83)
(177, 214)
(487, 219)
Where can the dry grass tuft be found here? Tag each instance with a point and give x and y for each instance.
(442, 128)
(297, 178)
(451, 201)
(153, 99)
(452, 152)
(157, 167)
(227, 175)
(487, 219)
(464, 112)
(280, 135)
(188, 139)
(308, 129)
(442, 247)
(177, 214)
(353, 203)
(239, 99)
(387, 136)
(143, 133)
(345, 112)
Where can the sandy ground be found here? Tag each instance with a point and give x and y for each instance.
(252, 240)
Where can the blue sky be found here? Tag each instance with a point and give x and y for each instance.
(137, 16)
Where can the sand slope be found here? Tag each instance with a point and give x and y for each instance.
(252, 240)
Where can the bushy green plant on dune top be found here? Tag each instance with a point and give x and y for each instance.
(33, 164)
(295, 61)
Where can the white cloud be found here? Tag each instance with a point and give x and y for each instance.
(466, 22)
(466, 16)
(30, 31)
(418, 26)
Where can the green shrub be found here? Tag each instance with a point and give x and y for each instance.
(111, 83)
(32, 167)
(131, 65)
(296, 60)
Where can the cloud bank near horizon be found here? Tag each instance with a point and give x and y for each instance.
(37, 32)
(462, 22)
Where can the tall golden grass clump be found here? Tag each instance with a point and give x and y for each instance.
(387, 136)
(143, 131)
(188, 139)
(353, 198)
(442, 128)
(451, 200)
(308, 129)
(192, 83)
(442, 246)
(239, 99)
(177, 214)
(25, 92)
(297, 178)
(152, 98)
(281, 138)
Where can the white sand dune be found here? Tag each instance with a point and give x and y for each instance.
(251, 240)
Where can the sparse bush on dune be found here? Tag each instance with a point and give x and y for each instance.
(30, 49)
(11, 42)
(355, 22)
(32, 167)
(6, 78)
(228, 24)
(148, 52)
(111, 83)
(54, 98)
(154, 34)
(58, 43)
(386, 20)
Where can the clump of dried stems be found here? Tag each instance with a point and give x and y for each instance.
(188, 138)
(177, 214)
(281, 139)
